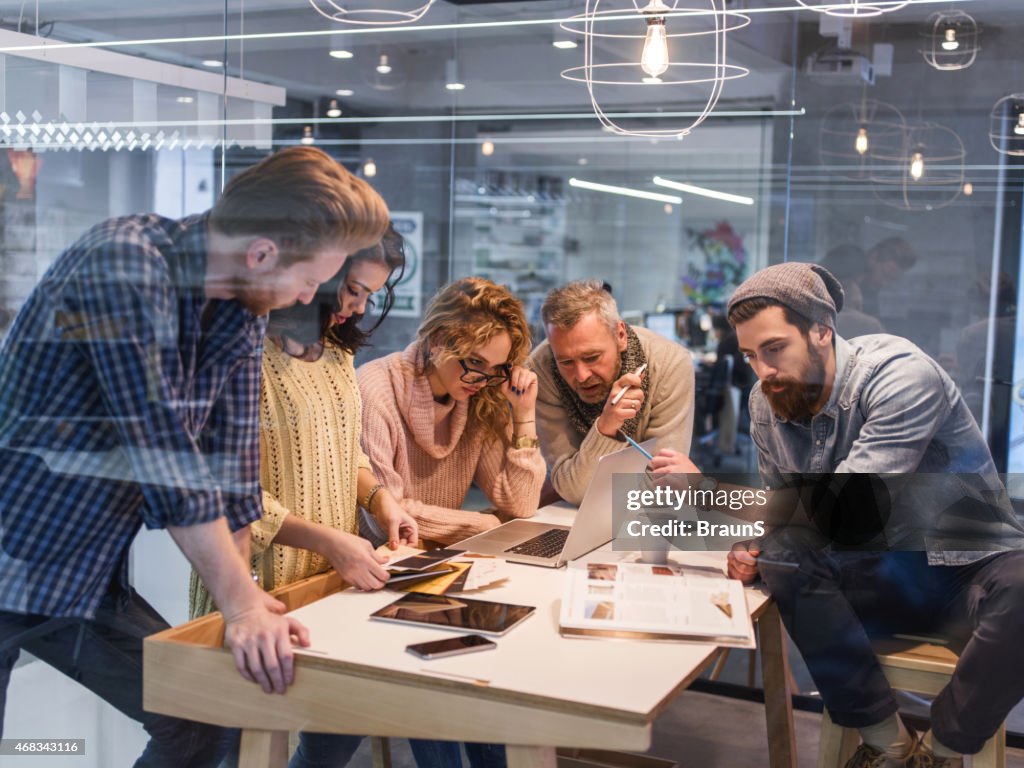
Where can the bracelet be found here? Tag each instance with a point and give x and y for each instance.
(370, 495)
(524, 421)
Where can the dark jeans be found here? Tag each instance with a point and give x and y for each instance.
(105, 655)
(833, 602)
(322, 750)
(332, 750)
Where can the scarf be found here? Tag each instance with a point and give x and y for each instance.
(583, 415)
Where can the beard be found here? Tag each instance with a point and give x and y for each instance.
(258, 296)
(797, 400)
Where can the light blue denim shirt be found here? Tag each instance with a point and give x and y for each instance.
(894, 412)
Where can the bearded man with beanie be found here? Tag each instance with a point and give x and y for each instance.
(878, 406)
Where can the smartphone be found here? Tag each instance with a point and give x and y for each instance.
(423, 560)
(451, 646)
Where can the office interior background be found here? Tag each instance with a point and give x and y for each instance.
(827, 131)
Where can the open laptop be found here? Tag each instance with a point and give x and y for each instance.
(546, 544)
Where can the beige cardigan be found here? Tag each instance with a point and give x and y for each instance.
(427, 455)
(310, 457)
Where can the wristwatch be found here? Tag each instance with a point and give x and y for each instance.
(527, 442)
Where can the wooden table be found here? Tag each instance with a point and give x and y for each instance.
(536, 691)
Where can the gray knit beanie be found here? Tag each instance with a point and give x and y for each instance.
(808, 289)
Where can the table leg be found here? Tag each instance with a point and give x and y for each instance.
(530, 757)
(263, 749)
(778, 690)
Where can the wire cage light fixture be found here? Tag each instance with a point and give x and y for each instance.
(852, 132)
(375, 17)
(950, 40)
(854, 8)
(926, 175)
(642, 42)
(1006, 125)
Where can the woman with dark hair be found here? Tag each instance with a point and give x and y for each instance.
(313, 471)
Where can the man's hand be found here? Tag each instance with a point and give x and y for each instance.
(669, 462)
(260, 639)
(742, 561)
(401, 526)
(615, 415)
(356, 562)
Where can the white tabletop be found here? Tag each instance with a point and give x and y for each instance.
(532, 659)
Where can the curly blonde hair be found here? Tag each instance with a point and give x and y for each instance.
(464, 316)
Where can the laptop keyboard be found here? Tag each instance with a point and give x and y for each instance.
(547, 544)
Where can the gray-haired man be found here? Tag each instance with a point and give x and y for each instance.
(589, 357)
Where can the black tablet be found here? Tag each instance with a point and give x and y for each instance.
(458, 613)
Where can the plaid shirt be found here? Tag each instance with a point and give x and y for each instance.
(125, 397)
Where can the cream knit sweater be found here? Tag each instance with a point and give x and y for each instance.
(427, 456)
(310, 457)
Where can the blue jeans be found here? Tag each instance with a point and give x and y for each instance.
(325, 750)
(105, 655)
(335, 750)
(445, 754)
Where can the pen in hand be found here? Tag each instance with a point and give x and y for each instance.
(637, 445)
(639, 372)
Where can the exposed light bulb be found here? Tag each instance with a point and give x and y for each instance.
(654, 60)
(487, 148)
(968, 189)
(369, 168)
(916, 166)
(340, 54)
(455, 86)
(333, 110)
(668, 208)
(383, 67)
(1018, 129)
(213, 63)
(565, 45)
(343, 92)
(307, 136)
(949, 42)
(861, 144)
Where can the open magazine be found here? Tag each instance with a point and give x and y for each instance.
(655, 602)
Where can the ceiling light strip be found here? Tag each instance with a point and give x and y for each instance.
(625, 191)
(49, 46)
(703, 191)
(423, 119)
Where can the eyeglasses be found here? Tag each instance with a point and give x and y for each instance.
(473, 376)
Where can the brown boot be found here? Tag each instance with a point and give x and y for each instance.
(869, 757)
(923, 757)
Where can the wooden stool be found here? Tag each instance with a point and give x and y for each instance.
(915, 666)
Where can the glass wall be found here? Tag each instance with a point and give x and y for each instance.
(880, 145)
(108, 110)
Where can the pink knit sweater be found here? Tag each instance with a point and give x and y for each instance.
(424, 454)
